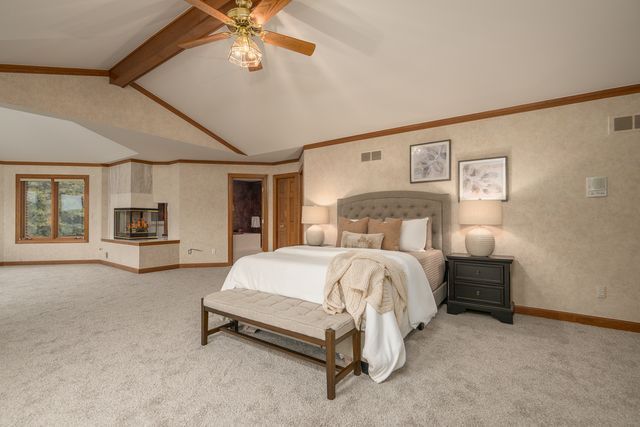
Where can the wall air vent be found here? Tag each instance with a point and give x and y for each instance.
(624, 123)
(371, 156)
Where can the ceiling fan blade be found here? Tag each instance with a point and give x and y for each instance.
(204, 40)
(291, 43)
(267, 9)
(211, 11)
(258, 68)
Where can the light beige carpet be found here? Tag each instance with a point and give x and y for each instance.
(91, 345)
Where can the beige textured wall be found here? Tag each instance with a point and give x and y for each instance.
(566, 245)
(95, 100)
(55, 251)
(203, 207)
(1, 213)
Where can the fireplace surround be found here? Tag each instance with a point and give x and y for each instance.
(135, 223)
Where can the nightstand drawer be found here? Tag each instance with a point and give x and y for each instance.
(479, 294)
(475, 272)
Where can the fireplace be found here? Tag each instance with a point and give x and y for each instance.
(135, 223)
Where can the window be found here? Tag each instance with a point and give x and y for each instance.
(52, 209)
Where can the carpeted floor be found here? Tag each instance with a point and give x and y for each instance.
(92, 345)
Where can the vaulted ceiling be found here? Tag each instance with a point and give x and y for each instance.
(378, 64)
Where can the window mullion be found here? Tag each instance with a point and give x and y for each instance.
(54, 209)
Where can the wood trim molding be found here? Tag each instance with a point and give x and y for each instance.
(148, 162)
(186, 118)
(37, 69)
(230, 208)
(602, 322)
(143, 243)
(557, 102)
(115, 265)
(51, 262)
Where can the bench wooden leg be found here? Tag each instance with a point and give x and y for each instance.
(357, 349)
(204, 327)
(330, 342)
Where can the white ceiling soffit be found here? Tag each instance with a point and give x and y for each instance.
(158, 149)
(372, 71)
(79, 33)
(38, 138)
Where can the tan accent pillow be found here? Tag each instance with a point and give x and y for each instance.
(361, 241)
(345, 224)
(391, 230)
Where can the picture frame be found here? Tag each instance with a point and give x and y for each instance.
(430, 161)
(483, 179)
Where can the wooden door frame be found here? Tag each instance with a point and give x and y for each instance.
(265, 211)
(275, 204)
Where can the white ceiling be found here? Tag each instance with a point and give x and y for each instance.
(374, 67)
(79, 33)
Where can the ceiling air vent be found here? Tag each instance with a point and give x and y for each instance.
(625, 123)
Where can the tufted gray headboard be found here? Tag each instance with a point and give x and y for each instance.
(402, 204)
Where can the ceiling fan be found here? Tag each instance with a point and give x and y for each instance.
(244, 24)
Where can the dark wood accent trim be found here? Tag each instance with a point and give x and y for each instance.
(602, 322)
(265, 211)
(147, 162)
(51, 262)
(20, 213)
(205, 265)
(37, 69)
(296, 175)
(186, 118)
(158, 268)
(163, 45)
(556, 102)
(142, 243)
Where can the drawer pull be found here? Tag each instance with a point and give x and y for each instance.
(477, 293)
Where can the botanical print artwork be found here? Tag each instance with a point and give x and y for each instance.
(431, 161)
(484, 179)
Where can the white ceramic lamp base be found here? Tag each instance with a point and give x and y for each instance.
(315, 235)
(480, 242)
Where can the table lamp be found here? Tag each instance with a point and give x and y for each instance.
(479, 240)
(315, 215)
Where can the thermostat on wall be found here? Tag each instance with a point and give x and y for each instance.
(597, 186)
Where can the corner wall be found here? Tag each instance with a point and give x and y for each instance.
(565, 245)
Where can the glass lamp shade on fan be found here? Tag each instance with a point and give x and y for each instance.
(315, 215)
(245, 52)
(479, 240)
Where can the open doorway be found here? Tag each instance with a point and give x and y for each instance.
(247, 215)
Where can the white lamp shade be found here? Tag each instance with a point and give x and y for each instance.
(315, 215)
(480, 212)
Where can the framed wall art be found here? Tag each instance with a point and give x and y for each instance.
(483, 179)
(430, 161)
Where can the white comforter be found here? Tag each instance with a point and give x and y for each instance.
(299, 272)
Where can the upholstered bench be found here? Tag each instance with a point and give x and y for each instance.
(291, 317)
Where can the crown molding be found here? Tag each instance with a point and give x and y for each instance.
(148, 162)
(523, 108)
(37, 69)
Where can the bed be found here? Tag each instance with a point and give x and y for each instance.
(299, 272)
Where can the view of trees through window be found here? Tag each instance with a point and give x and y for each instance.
(39, 210)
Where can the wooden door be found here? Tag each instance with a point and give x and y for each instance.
(287, 210)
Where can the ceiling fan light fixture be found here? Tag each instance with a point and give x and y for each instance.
(245, 52)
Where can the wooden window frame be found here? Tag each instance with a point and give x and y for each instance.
(20, 209)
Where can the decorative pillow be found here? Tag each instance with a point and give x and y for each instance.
(391, 230)
(354, 226)
(361, 241)
(413, 234)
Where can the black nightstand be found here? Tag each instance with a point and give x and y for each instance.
(480, 283)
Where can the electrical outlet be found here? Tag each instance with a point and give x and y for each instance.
(602, 292)
(214, 251)
(106, 255)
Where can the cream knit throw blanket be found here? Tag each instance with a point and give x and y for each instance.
(356, 278)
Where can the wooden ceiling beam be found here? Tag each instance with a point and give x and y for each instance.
(163, 45)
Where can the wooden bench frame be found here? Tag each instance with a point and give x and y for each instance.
(334, 373)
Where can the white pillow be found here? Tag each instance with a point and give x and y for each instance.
(413, 235)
